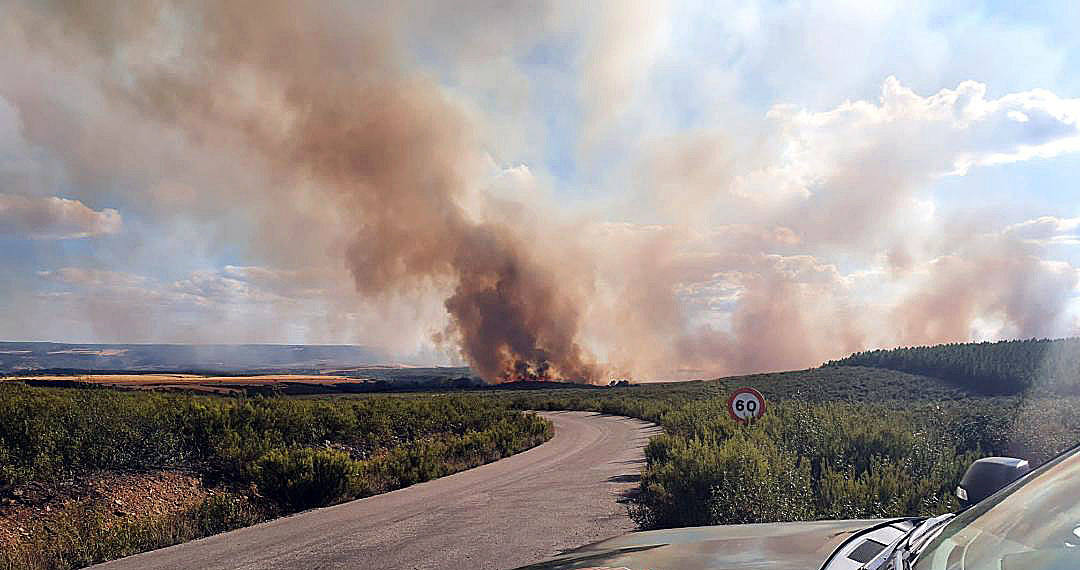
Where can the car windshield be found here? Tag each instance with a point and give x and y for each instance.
(1032, 526)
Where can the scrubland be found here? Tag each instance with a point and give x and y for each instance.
(836, 442)
(256, 458)
(841, 441)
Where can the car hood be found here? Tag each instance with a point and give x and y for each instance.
(776, 546)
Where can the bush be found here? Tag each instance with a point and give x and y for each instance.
(838, 442)
(51, 433)
(298, 454)
(693, 482)
(837, 460)
(303, 478)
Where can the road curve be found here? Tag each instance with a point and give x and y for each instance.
(518, 510)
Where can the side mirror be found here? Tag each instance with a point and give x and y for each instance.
(987, 475)
(1073, 540)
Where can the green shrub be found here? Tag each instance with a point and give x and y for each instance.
(297, 453)
(759, 482)
(51, 433)
(692, 482)
(837, 442)
(303, 478)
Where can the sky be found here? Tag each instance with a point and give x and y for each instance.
(582, 191)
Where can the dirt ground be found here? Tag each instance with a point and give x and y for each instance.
(119, 495)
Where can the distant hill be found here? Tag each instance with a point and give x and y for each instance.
(1005, 367)
(846, 383)
(23, 357)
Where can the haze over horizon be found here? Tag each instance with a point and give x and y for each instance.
(541, 189)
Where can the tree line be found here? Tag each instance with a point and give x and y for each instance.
(992, 368)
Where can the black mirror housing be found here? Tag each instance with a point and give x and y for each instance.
(987, 475)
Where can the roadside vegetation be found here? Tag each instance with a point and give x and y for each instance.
(837, 442)
(259, 458)
(885, 433)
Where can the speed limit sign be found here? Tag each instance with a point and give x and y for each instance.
(746, 404)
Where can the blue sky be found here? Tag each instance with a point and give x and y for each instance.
(717, 187)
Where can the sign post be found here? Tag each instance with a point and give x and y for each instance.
(746, 405)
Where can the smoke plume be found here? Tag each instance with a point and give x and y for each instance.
(315, 137)
(385, 147)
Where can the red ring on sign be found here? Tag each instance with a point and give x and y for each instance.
(731, 403)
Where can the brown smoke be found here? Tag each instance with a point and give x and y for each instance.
(513, 321)
(310, 121)
(395, 150)
(994, 276)
(382, 144)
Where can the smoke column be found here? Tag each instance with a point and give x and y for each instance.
(395, 154)
(310, 122)
(384, 146)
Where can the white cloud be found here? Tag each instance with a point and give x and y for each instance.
(940, 134)
(1047, 230)
(230, 285)
(211, 287)
(91, 277)
(55, 218)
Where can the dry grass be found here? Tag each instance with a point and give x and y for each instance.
(120, 496)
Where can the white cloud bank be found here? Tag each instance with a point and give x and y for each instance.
(55, 218)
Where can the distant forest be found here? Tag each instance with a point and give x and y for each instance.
(1005, 367)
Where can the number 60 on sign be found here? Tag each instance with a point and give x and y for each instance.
(745, 405)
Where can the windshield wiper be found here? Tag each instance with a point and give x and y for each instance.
(899, 552)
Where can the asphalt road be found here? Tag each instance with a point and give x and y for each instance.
(513, 512)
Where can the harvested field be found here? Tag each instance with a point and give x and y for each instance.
(192, 382)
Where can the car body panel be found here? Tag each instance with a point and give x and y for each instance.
(774, 546)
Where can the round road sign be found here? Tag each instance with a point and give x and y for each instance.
(746, 404)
